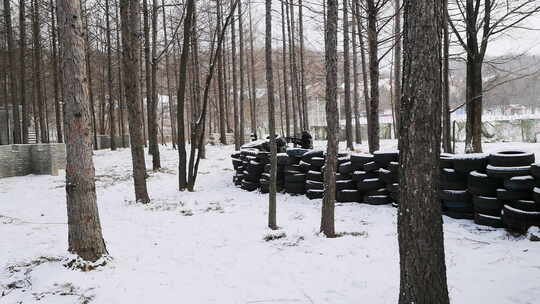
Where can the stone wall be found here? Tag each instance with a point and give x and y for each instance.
(20, 160)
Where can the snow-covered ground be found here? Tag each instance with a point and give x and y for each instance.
(209, 247)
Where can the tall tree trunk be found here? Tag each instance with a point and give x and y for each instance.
(182, 157)
(293, 89)
(22, 69)
(357, 126)
(238, 140)
(446, 137)
(55, 67)
(271, 115)
(284, 63)
(17, 138)
(167, 72)
(332, 120)
(241, 66)
(84, 227)
(121, 104)
(347, 77)
(154, 147)
(302, 66)
(420, 229)
(294, 68)
(130, 12)
(397, 60)
(89, 76)
(365, 78)
(253, 96)
(148, 79)
(373, 119)
(112, 118)
(221, 98)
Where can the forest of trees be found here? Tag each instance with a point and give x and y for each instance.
(77, 69)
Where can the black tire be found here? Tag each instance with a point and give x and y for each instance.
(348, 196)
(293, 168)
(369, 184)
(451, 175)
(342, 160)
(314, 185)
(394, 196)
(251, 176)
(295, 178)
(359, 160)
(249, 186)
(371, 166)
(340, 176)
(345, 185)
(309, 155)
(236, 154)
(446, 185)
(316, 176)
(317, 162)
(459, 215)
(393, 187)
(304, 167)
(388, 176)
(236, 163)
(346, 168)
(296, 152)
(445, 161)
(377, 200)
(384, 158)
(507, 172)
(509, 195)
(394, 167)
(481, 184)
(458, 206)
(282, 159)
(488, 220)
(455, 195)
(487, 205)
(465, 163)
(525, 205)
(519, 220)
(361, 175)
(295, 188)
(381, 191)
(535, 170)
(314, 194)
(536, 195)
(519, 183)
(514, 158)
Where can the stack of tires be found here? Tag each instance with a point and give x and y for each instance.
(454, 193)
(346, 191)
(535, 172)
(375, 188)
(519, 210)
(314, 161)
(295, 172)
(282, 161)
(390, 176)
(253, 163)
(238, 167)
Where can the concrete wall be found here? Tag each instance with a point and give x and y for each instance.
(104, 141)
(517, 130)
(20, 160)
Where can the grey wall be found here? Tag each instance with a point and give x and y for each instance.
(20, 160)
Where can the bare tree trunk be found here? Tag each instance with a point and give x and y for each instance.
(365, 77)
(84, 227)
(121, 103)
(55, 67)
(148, 78)
(89, 76)
(327, 217)
(357, 126)
(420, 229)
(169, 87)
(17, 138)
(130, 12)
(112, 119)
(293, 89)
(347, 77)
(241, 58)
(285, 83)
(446, 134)
(294, 68)
(373, 119)
(156, 159)
(253, 99)
(238, 141)
(397, 60)
(22, 69)
(271, 118)
(182, 155)
(221, 98)
(302, 68)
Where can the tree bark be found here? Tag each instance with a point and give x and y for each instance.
(347, 77)
(131, 27)
(332, 120)
(253, 99)
(446, 133)
(365, 78)
(420, 230)
(221, 98)
(167, 72)
(237, 128)
(22, 68)
(285, 82)
(112, 118)
(397, 60)
(241, 70)
(302, 66)
(154, 147)
(373, 44)
(271, 118)
(294, 100)
(84, 229)
(17, 138)
(357, 126)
